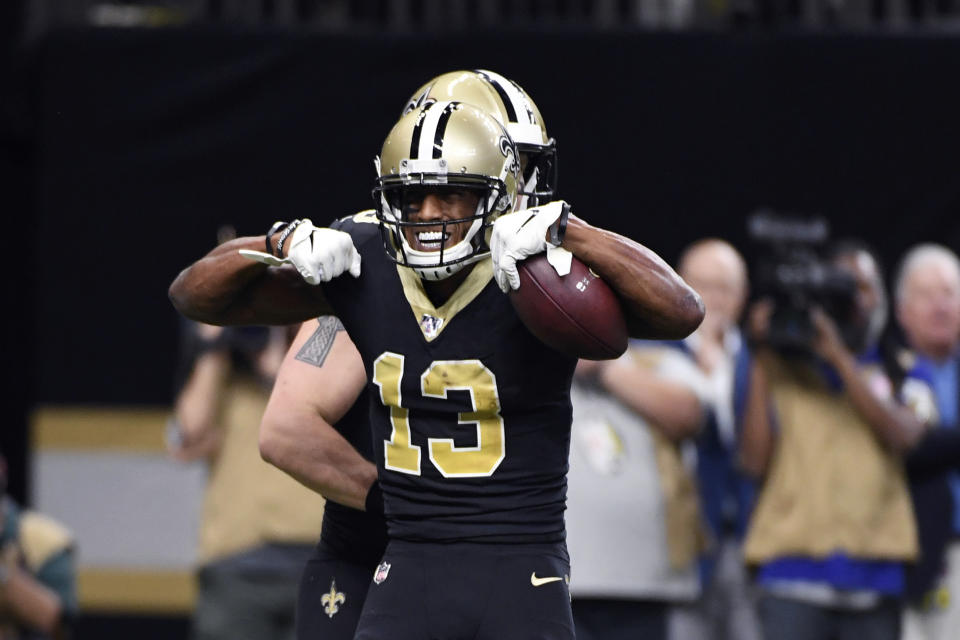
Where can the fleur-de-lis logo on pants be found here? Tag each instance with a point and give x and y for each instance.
(332, 600)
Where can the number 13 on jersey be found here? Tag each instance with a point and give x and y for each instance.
(400, 454)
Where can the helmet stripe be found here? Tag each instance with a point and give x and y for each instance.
(442, 128)
(415, 138)
(426, 141)
(502, 92)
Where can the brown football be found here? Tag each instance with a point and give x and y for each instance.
(577, 314)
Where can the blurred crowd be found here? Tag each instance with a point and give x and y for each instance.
(787, 471)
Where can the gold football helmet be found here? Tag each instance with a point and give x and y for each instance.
(445, 146)
(506, 101)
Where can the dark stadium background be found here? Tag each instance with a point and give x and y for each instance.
(124, 150)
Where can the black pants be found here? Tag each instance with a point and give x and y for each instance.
(467, 591)
(332, 593)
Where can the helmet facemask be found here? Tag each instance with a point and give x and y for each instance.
(461, 151)
(539, 174)
(438, 263)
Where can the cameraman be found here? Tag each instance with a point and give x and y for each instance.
(833, 525)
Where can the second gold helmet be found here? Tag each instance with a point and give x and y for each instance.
(506, 101)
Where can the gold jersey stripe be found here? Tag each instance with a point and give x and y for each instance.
(420, 304)
(130, 429)
(136, 591)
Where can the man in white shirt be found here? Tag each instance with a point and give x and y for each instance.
(633, 523)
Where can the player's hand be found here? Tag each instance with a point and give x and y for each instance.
(318, 254)
(521, 234)
(322, 254)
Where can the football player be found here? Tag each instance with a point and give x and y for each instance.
(470, 412)
(323, 373)
(321, 383)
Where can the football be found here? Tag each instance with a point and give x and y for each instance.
(577, 314)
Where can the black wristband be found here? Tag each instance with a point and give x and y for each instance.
(558, 230)
(276, 227)
(374, 502)
(283, 236)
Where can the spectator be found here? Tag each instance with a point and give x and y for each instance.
(633, 525)
(37, 574)
(726, 610)
(833, 525)
(927, 292)
(258, 525)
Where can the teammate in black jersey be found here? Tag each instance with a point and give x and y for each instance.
(321, 384)
(470, 413)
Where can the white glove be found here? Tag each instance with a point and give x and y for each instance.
(319, 254)
(521, 234)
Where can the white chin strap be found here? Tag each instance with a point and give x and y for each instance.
(441, 273)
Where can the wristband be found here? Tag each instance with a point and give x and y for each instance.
(374, 502)
(276, 227)
(283, 236)
(558, 230)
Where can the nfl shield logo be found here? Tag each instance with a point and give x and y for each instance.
(382, 572)
(430, 325)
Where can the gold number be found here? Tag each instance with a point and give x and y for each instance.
(484, 458)
(453, 462)
(398, 453)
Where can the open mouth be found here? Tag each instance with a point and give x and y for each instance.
(432, 240)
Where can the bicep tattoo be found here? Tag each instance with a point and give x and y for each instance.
(317, 347)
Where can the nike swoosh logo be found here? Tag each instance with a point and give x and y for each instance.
(533, 214)
(538, 582)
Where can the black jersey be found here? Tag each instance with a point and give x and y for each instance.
(351, 534)
(470, 413)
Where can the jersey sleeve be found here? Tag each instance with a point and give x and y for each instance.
(362, 226)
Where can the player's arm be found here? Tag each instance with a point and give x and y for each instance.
(319, 380)
(225, 287)
(657, 303)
